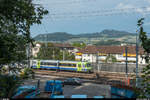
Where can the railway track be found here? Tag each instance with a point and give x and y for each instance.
(97, 77)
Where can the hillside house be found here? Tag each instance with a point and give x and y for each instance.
(67, 47)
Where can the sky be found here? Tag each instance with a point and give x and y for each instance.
(88, 16)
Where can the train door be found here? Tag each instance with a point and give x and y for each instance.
(79, 66)
(33, 63)
(83, 66)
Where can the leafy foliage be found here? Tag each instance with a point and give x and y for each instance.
(27, 73)
(51, 52)
(145, 78)
(8, 84)
(80, 45)
(16, 17)
(109, 42)
(110, 58)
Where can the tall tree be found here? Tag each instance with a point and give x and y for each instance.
(145, 43)
(50, 52)
(16, 18)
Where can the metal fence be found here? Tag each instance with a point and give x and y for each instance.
(116, 67)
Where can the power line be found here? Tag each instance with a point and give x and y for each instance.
(101, 11)
(76, 2)
(96, 15)
(71, 2)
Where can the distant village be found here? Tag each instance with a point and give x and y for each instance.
(100, 54)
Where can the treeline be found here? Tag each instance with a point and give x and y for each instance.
(48, 51)
(63, 36)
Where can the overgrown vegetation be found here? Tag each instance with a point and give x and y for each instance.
(51, 52)
(16, 18)
(109, 42)
(110, 59)
(144, 91)
(80, 45)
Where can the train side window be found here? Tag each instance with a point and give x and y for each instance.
(45, 63)
(88, 65)
(34, 63)
(48, 63)
(70, 65)
(65, 64)
(42, 63)
(73, 65)
(59, 64)
(53, 64)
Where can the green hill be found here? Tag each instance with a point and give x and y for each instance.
(87, 37)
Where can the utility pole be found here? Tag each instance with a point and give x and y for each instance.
(53, 54)
(46, 40)
(136, 60)
(98, 61)
(64, 54)
(126, 50)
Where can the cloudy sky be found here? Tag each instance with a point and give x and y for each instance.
(87, 16)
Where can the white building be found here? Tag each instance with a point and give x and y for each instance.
(94, 54)
(36, 49)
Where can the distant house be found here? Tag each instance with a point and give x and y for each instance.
(89, 53)
(67, 47)
(100, 53)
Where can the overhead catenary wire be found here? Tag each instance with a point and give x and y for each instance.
(68, 2)
(101, 11)
(95, 15)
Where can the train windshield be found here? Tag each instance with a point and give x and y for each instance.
(88, 65)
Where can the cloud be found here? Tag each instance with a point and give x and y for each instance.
(147, 1)
(140, 10)
(124, 6)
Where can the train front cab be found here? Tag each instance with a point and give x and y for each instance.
(84, 67)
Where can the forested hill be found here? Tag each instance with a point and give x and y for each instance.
(63, 36)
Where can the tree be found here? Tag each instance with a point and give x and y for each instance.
(16, 18)
(11, 83)
(51, 52)
(145, 43)
(47, 52)
(80, 45)
(110, 58)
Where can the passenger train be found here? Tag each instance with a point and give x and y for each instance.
(77, 66)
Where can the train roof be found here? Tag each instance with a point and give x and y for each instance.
(60, 61)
